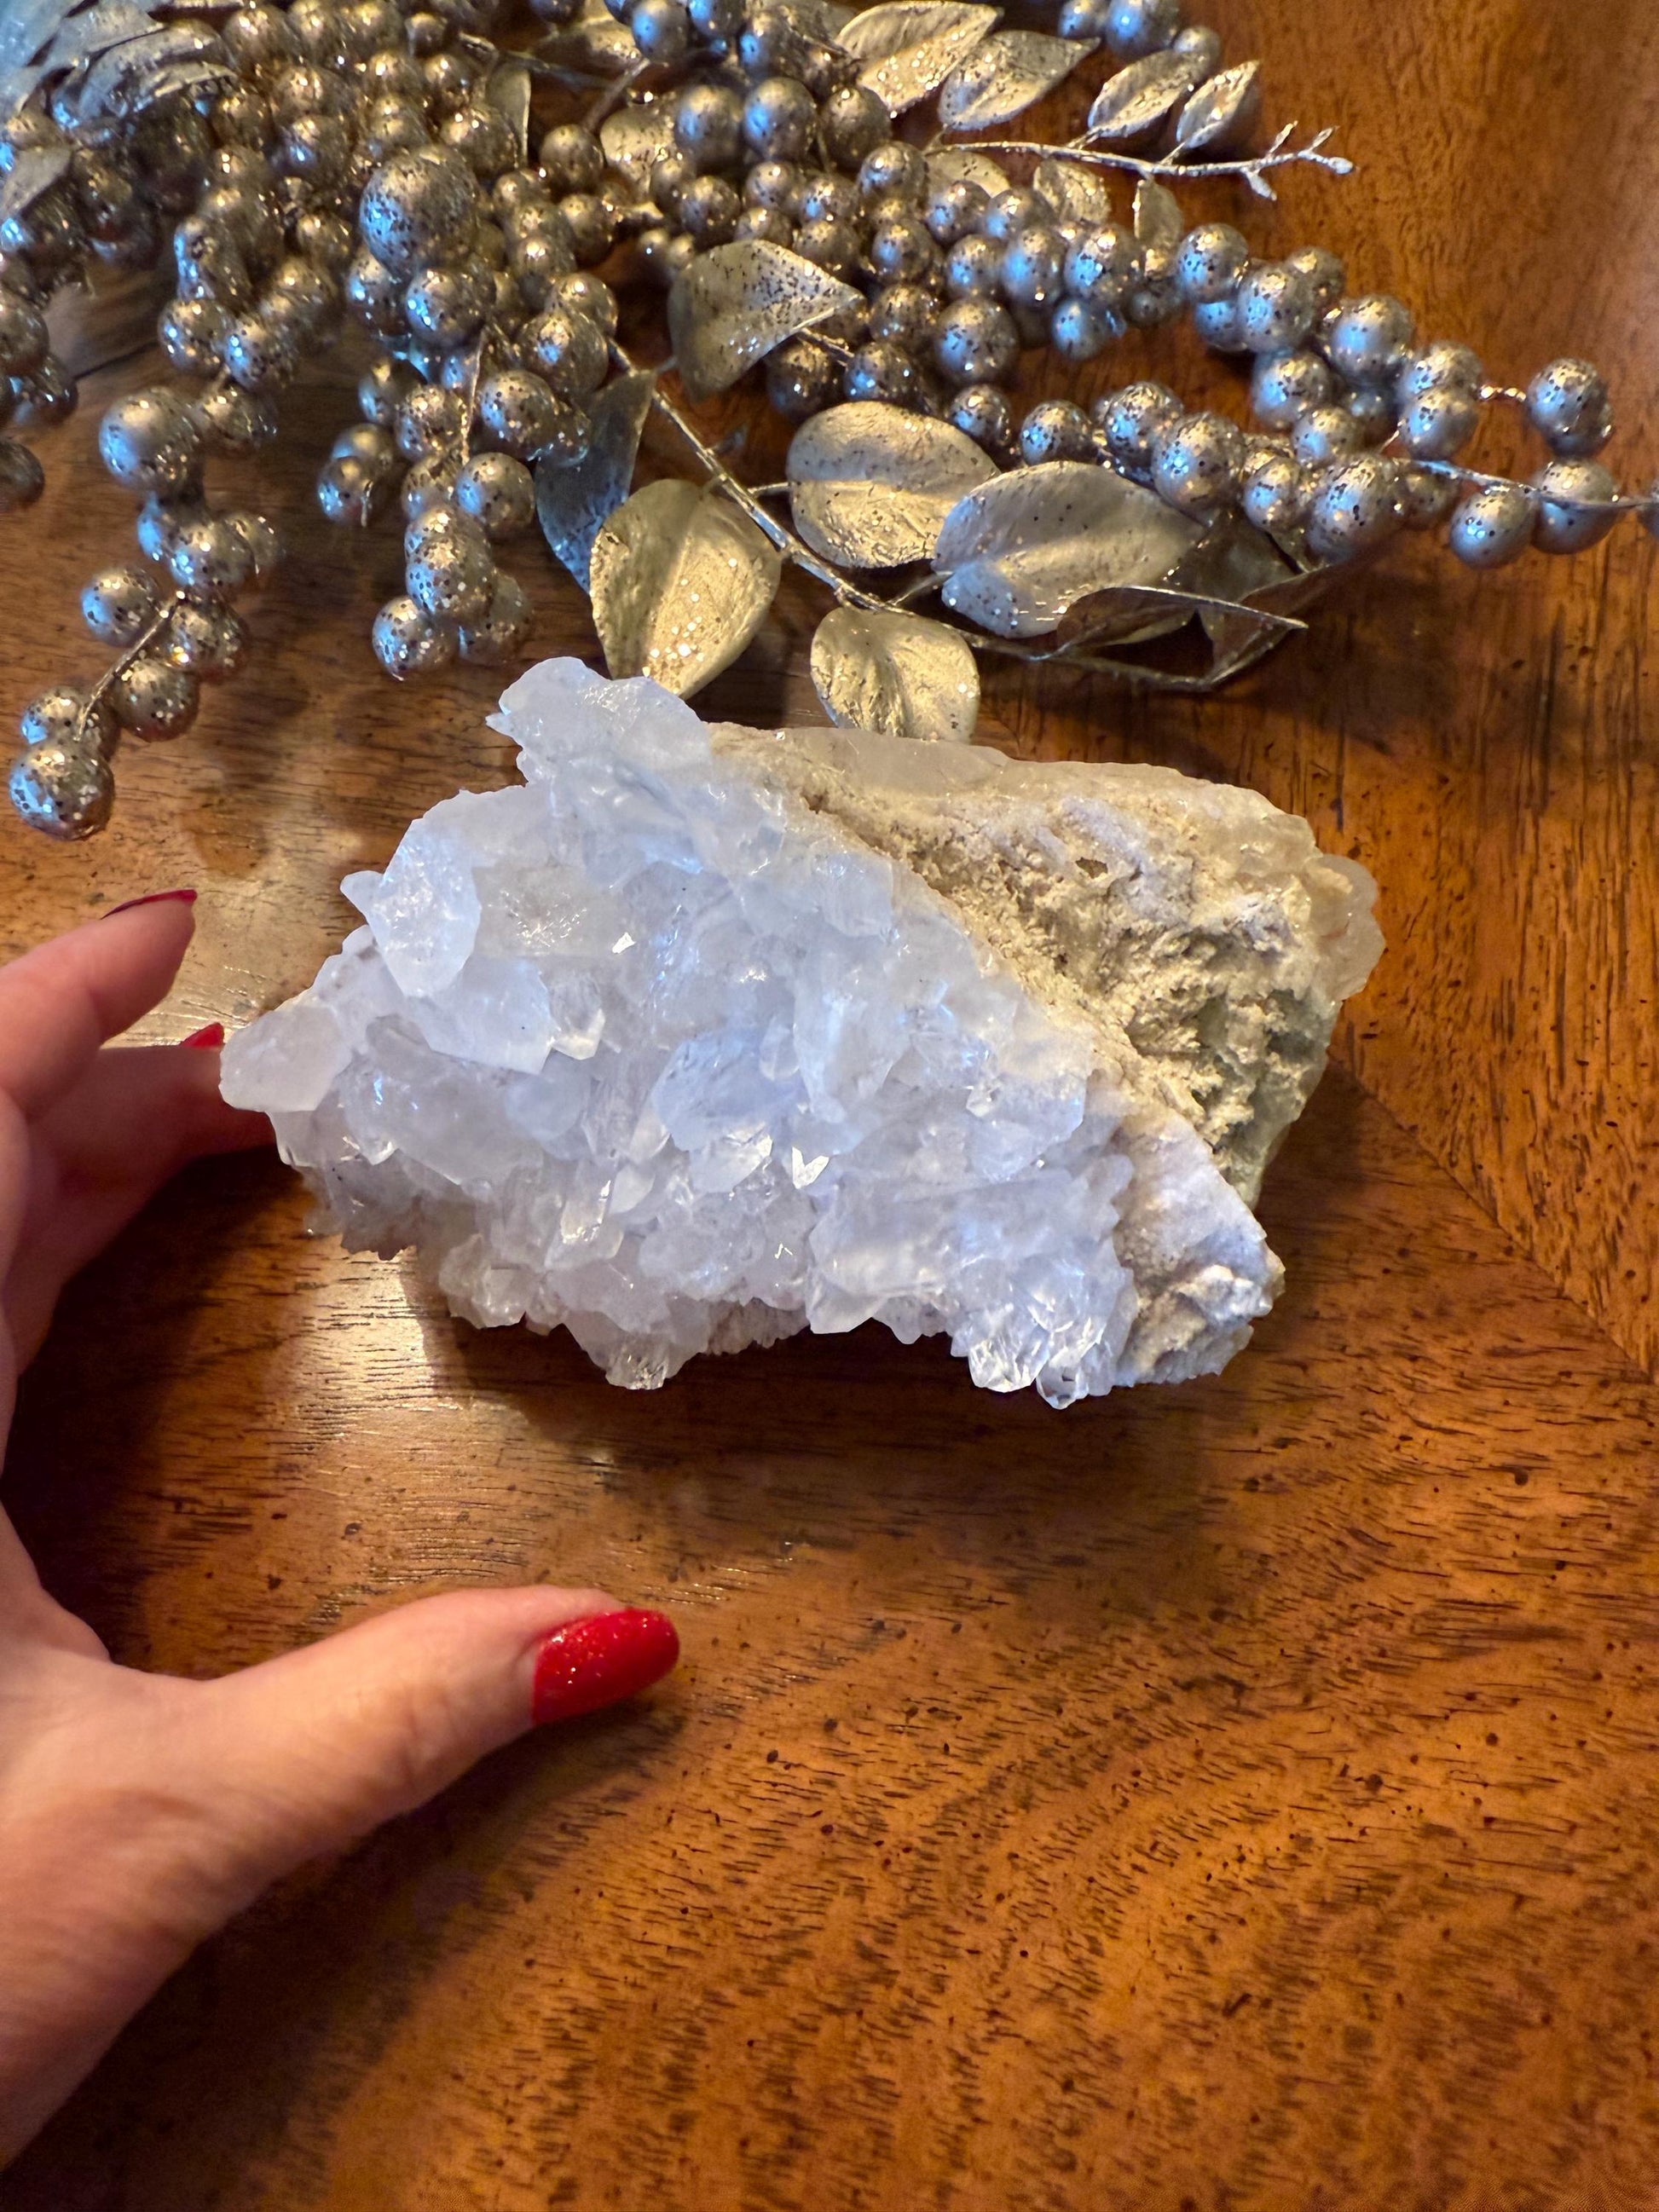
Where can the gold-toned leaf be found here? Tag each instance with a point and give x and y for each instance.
(1076, 193)
(509, 91)
(1006, 74)
(732, 306)
(909, 47)
(35, 170)
(947, 165)
(897, 673)
(1019, 552)
(870, 485)
(681, 582)
(1158, 219)
(635, 138)
(576, 498)
(1139, 99)
(1221, 114)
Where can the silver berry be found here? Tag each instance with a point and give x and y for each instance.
(1032, 262)
(210, 561)
(1325, 434)
(1426, 497)
(407, 641)
(852, 123)
(983, 413)
(1568, 404)
(1079, 329)
(569, 353)
(429, 421)
(1134, 28)
(1133, 418)
(1055, 430)
(571, 156)
(975, 342)
(65, 716)
(418, 209)
(1195, 464)
(973, 267)
(1440, 424)
(22, 479)
(1276, 306)
(452, 579)
(207, 642)
(153, 699)
(499, 494)
(1102, 263)
(446, 306)
(117, 605)
(1368, 339)
(801, 380)
(1572, 511)
(500, 633)
(1273, 493)
(1440, 366)
(149, 442)
(952, 209)
(1492, 525)
(66, 790)
(1284, 385)
(779, 119)
(1355, 507)
(1209, 261)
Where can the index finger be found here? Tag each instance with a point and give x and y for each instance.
(61, 1002)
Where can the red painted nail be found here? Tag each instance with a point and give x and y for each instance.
(599, 1661)
(209, 1038)
(152, 898)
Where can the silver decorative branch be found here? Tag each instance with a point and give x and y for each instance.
(1252, 168)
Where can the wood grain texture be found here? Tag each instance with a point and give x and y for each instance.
(1236, 1796)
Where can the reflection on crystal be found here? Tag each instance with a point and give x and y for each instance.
(700, 1036)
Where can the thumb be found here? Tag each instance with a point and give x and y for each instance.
(310, 1751)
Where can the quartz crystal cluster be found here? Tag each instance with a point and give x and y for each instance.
(702, 1036)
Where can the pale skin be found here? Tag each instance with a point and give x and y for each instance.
(138, 1811)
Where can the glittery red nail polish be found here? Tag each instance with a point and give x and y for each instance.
(151, 898)
(209, 1038)
(596, 1663)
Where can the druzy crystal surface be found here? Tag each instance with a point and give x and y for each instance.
(702, 1036)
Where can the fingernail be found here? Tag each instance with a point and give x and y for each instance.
(597, 1662)
(209, 1038)
(151, 898)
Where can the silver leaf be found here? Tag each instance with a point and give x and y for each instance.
(26, 27)
(176, 76)
(16, 85)
(681, 582)
(1232, 561)
(1076, 194)
(732, 306)
(1139, 98)
(596, 41)
(576, 498)
(120, 82)
(909, 47)
(946, 165)
(1005, 75)
(1221, 114)
(35, 170)
(897, 673)
(1158, 219)
(870, 485)
(1131, 614)
(635, 138)
(84, 37)
(823, 21)
(509, 91)
(1016, 554)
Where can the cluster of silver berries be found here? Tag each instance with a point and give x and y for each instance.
(351, 164)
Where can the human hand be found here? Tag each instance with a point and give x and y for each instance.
(138, 1811)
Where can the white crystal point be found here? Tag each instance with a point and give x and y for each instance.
(698, 1037)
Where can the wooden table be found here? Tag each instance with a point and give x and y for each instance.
(1244, 1795)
